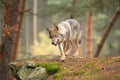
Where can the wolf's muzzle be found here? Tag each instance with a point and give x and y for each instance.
(55, 44)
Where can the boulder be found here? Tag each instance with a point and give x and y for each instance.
(28, 71)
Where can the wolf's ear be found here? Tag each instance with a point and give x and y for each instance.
(56, 28)
(48, 29)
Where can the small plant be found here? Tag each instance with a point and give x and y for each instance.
(82, 71)
(61, 73)
(95, 70)
(51, 67)
(37, 65)
(58, 75)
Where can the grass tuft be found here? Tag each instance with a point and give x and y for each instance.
(82, 71)
(51, 67)
(58, 75)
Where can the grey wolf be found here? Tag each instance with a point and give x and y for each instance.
(67, 35)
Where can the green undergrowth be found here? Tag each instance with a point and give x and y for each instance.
(62, 72)
(51, 67)
(80, 72)
(58, 75)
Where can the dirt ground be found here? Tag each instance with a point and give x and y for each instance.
(107, 68)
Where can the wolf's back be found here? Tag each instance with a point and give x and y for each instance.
(75, 28)
(74, 23)
(69, 28)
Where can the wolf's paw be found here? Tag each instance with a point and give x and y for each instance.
(75, 55)
(62, 58)
(66, 54)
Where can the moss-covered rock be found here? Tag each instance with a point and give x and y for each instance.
(28, 71)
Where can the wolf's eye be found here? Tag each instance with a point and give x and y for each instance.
(55, 35)
(50, 36)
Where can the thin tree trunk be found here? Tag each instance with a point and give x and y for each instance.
(73, 4)
(89, 45)
(10, 35)
(35, 20)
(27, 35)
(107, 31)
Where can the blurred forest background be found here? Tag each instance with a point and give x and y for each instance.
(39, 14)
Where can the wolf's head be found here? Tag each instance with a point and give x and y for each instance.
(54, 35)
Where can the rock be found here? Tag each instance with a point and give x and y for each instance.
(28, 71)
(23, 71)
(38, 74)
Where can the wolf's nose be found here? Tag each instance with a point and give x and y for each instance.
(54, 44)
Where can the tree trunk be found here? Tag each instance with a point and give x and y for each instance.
(35, 20)
(10, 35)
(107, 31)
(89, 45)
(73, 4)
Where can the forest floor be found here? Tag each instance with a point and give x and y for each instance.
(89, 69)
(107, 68)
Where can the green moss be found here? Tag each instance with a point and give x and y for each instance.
(58, 75)
(88, 65)
(95, 70)
(51, 67)
(117, 75)
(61, 73)
(37, 65)
(82, 71)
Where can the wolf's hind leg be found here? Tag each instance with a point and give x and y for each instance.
(77, 44)
(79, 37)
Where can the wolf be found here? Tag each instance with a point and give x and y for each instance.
(67, 35)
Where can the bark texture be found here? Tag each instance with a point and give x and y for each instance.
(89, 45)
(10, 35)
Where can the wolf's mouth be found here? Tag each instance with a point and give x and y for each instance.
(55, 44)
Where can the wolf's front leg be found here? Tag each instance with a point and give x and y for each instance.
(63, 57)
(69, 47)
